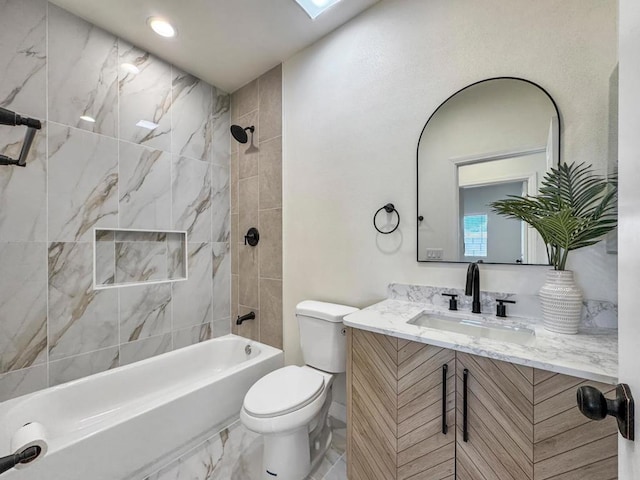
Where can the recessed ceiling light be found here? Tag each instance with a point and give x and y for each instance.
(147, 124)
(162, 27)
(87, 118)
(315, 7)
(130, 68)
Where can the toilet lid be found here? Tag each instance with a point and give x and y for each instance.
(283, 391)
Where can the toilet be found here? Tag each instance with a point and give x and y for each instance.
(289, 407)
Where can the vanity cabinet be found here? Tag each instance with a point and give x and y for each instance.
(406, 407)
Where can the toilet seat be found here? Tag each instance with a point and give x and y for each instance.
(283, 391)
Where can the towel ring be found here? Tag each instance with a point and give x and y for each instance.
(389, 208)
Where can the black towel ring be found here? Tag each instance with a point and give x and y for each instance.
(387, 208)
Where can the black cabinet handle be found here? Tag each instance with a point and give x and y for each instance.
(465, 382)
(445, 427)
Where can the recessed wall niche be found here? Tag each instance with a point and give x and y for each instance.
(125, 257)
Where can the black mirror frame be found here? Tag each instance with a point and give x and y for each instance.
(555, 106)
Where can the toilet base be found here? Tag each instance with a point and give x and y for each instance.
(294, 455)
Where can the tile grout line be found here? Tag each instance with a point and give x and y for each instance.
(171, 173)
(46, 162)
(258, 251)
(118, 41)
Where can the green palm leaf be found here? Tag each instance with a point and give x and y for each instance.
(575, 208)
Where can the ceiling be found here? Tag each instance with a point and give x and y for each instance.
(225, 42)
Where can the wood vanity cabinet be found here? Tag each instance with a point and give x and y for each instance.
(406, 411)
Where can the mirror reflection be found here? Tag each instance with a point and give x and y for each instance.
(492, 139)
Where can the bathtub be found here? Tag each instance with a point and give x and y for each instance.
(123, 423)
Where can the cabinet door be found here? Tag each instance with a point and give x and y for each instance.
(426, 412)
(497, 443)
(372, 405)
(569, 446)
(396, 392)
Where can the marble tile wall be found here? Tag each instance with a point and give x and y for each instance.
(109, 173)
(256, 201)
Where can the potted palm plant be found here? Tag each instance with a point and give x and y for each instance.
(574, 208)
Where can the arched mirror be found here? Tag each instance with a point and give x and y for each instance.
(494, 138)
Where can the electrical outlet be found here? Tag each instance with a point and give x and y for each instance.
(434, 253)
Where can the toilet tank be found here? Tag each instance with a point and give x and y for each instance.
(322, 335)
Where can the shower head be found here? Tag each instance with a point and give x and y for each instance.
(240, 134)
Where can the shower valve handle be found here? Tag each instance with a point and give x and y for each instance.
(252, 237)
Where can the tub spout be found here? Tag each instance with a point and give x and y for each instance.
(248, 316)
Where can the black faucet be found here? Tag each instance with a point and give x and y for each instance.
(473, 286)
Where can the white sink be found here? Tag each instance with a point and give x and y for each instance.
(475, 328)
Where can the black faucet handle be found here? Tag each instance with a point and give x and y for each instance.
(453, 301)
(501, 308)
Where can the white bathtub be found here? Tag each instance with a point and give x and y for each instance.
(120, 424)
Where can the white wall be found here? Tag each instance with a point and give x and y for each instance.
(356, 102)
(629, 235)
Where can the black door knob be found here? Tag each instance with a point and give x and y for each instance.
(594, 405)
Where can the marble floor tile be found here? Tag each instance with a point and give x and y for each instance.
(145, 95)
(335, 452)
(23, 303)
(83, 73)
(338, 471)
(23, 56)
(83, 183)
(145, 187)
(236, 454)
(216, 459)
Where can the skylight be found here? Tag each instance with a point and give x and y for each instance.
(316, 7)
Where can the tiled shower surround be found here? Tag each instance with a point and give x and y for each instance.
(111, 174)
(256, 201)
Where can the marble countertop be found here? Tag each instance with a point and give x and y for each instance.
(592, 354)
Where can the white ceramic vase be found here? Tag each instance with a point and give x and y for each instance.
(561, 300)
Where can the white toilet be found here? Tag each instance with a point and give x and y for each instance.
(290, 406)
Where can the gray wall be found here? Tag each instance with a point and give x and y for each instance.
(54, 326)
